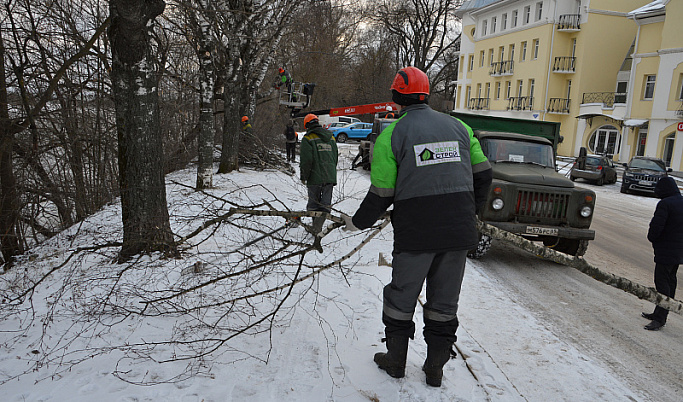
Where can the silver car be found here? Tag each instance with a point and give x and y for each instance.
(599, 169)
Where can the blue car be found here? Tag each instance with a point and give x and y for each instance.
(358, 131)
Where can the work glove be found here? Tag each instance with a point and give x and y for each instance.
(349, 227)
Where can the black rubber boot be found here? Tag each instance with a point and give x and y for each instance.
(394, 361)
(437, 357)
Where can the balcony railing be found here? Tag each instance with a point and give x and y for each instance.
(558, 105)
(564, 65)
(569, 22)
(500, 68)
(679, 112)
(520, 103)
(608, 99)
(478, 104)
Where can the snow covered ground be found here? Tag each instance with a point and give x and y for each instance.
(319, 346)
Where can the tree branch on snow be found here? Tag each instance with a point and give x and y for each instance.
(582, 265)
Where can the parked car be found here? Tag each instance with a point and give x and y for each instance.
(337, 124)
(642, 174)
(326, 120)
(359, 131)
(599, 169)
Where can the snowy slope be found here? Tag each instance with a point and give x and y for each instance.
(319, 347)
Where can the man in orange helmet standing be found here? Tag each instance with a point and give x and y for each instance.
(431, 168)
(318, 158)
(246, 126)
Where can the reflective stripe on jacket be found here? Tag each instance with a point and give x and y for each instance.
(431, 167)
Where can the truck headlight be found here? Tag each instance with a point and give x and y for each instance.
(628, 174)
(586, 211)
(497, 204)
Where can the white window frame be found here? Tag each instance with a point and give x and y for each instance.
(527, 15)
(482, 57)
(532, 84)
(504, 22)
(484, 26)
(508, 89)
(513, 23)
(512, 52)
(522, 57)
(536, 45)
(494, 22)
(649, 87)
(539, 10)
(680, 88)
(497, 94)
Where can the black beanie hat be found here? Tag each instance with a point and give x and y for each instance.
(407, 99)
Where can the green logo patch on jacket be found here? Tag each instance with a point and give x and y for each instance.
(437, 152)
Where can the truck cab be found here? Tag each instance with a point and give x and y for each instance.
(529, 198)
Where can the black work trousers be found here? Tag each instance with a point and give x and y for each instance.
(665, 283)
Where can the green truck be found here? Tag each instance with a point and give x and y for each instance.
(528, 196)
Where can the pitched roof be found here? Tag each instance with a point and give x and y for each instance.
(657, 5)
(471, 5)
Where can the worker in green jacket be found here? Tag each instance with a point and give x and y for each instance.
(318, 170)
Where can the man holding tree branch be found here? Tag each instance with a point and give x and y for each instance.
(431, 168)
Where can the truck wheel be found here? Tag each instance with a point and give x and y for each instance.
(341, 137)
(573, 247)
(600, 181)
(482, 247)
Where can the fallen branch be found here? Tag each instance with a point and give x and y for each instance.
(582, 265)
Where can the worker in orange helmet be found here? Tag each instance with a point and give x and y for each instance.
(431, 168)
(246, 126)
(318, 170)
(284, 78)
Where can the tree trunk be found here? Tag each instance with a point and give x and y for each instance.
(11, 242)
(231, 135)
(207, 84)
(146, 226)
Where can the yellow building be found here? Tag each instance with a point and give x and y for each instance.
(545, 60)
(649, 121)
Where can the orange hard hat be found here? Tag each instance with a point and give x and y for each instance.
(411, 81)
(281, 70)
(309, 117)
(244, 118)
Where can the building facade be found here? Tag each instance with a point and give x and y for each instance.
(576, 62)
(649, 121)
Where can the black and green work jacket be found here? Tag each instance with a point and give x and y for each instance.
(431, 167)
(318, 157)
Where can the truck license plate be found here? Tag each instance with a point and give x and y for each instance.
(645, 183)
(542, 231)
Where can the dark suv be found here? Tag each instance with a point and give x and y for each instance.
(642, 174)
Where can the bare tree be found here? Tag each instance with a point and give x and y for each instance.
(10, 241)
(250, 32)
(143, 193)
(424, 33)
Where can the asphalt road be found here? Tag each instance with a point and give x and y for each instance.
(602, 321)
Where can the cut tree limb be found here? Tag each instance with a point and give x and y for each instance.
(582, 265)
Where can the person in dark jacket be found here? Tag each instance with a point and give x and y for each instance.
(290, 142)
(432, 169)
(666, 236)
(318, 170)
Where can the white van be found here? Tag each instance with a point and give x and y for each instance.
(325, 120)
